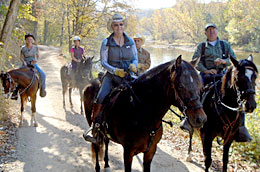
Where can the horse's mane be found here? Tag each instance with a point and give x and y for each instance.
(154, 71)
(227, 79)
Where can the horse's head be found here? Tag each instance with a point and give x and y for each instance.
(85, 66)
(187, 85)
(243, 79)
(7, 83)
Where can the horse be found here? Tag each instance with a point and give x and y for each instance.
(79, 80)
(133, 115)
(27, 80)
(225, 107)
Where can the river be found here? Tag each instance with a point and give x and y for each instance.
(161, 54)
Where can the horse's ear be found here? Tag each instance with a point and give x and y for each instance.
(92, 58)
(194, 62)
(178, 61)
(234, 62)
(250, 58)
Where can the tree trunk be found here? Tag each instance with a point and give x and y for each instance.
(45, 34)
(62, 28)
(69, 32)
(35, 23)
(9, 21)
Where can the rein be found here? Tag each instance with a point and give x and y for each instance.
(229, 126)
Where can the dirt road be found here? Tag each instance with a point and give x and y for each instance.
(57, 144)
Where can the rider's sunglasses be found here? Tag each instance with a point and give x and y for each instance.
(116, 25)
(137, 40)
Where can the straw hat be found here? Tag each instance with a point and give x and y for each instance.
(138, 36)
(116, 18)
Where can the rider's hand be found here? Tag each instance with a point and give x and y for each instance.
(219, 61)
(24, 63)
(78, 61)
(211, 71)
(120, 72)
(133, 68)
(140, 66)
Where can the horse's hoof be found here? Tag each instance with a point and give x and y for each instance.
(107, 169)
(35, 124)
(188, 158)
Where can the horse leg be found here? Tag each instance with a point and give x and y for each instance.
(128, 158)
(207, 145)
(23, 103)
(225, 156)
(148, 157)
(64, 90)
(70, 90)
(189, 157)
(33, 102)
(96, 149)
(81, 99)
(106, 159)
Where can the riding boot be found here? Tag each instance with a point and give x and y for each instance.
(185, 126)
(96, 118)
(43, 92)
(15, 93)
(242, 134)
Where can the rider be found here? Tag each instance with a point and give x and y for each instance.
(214, 55)
(76, 53)
(143, 55)
(118, 54)
(30, 55)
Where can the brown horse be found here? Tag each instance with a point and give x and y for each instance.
(133, 115)
(82, 76)
(28, 83)
(225, 105)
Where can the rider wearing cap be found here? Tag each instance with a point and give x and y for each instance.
(118, 55)
(30, 55)
(214, 54)
(144, 60)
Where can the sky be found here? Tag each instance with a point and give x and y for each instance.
(157, 4)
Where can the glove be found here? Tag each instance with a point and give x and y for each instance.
(120, 72)
(140, 66)
(133, 68)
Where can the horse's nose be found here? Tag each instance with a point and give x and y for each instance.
(250, 107)
(201, 120)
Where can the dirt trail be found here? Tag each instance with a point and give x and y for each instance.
(57, 144)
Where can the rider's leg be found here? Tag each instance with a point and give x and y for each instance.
(42, 80)
(242, 134)
(96, 115)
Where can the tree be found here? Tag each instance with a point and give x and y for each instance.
(9, 21)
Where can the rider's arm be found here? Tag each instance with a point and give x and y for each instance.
(37, 53)
(22, 57)
(147, 62)
(230, 53)
(135, 58)
(200, 67)
(72, 55)
(104, 57)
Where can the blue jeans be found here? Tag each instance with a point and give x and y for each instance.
(108, 83)
(42, 76)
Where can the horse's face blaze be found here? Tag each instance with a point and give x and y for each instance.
(188, 86)
(246, 82)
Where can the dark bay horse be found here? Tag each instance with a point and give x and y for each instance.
(134, 118)
(78, 80)
(225, 106)
(27, 81)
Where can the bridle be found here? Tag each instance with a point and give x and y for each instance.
(10, 89)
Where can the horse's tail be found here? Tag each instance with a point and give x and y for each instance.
(100, 148)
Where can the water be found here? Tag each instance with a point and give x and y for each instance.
(161, 54)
